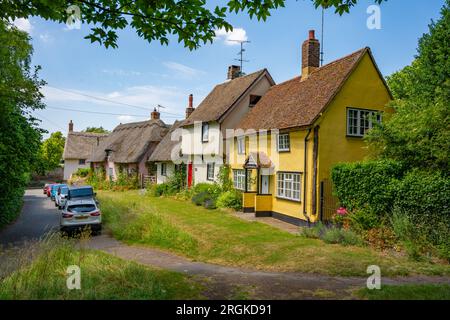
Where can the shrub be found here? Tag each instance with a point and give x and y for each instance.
(161, 189)
(210, 204)
(369, 184)
(82, 172)
(224, 178)
(342, 236)
(200, 198)
(364, 219)
(424, 198)
(230, 199)
(314, 232)
(381, 238)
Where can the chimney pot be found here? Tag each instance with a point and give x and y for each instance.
(310, 55)
(190, 107)
(70, 126)
(233, 72)
(155, 114)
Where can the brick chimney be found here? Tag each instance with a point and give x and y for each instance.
(70, 126)
(233, 72)
(190, 107)
(310, 55)
(154, 114)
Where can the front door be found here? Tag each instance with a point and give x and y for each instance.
(189, 175)
(264, 184)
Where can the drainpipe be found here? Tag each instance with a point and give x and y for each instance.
(305, 171)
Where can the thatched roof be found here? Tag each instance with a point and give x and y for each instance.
(223, 97)
(80, 145)
(297, 103)
(164, 149)
(129, 142)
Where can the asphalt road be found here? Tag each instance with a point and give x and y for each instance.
(39, 216)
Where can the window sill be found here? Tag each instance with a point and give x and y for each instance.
(287, 199)
(284, 151)
(356, 137)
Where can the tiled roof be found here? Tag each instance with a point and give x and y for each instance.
(223, 97)
(297, 103)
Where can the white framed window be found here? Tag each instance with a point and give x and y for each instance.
(210, 171)
(283, 142)
(241, 145)
(239, 179)
(164, 169)
(81, 162)
(359, 121)
(288, 185)
(205, 132)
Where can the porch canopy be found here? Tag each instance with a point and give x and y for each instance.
(257, 161)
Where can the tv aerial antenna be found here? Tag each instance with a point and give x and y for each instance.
(325, 6)
(158, 107)
(241, 52)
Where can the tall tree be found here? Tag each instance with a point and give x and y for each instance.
(52, 150)
(418, 133)
(19, 133)
(193, 22)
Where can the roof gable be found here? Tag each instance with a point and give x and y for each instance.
(224, 96)
(297, 103)
(163, 150)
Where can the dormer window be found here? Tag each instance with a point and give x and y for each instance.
(205, 132)
(254, 100)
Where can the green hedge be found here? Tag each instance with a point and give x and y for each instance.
(424, 197)
(369, 184)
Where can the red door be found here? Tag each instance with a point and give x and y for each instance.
(189, 176)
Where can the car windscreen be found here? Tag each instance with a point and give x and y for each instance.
(64, 190)
(77, 193)
(80, 208)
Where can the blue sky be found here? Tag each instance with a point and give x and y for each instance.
(145, 75)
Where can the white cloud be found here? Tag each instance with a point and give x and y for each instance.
(182, 70)
(125, 118)
(23, 24)
(236, 34)
(46, 38)
(121, 72)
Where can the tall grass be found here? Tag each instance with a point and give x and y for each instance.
(102, 275)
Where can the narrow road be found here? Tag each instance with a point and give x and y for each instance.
(39, 216)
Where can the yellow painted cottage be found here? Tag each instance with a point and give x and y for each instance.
(285, 146)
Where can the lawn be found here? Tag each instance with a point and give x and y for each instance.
(408, 292)
(102, 277)
(218, 237)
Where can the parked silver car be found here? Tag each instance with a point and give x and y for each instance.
(60, 198)
(80, 213)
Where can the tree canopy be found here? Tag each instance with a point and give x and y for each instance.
(192, 22)
(51, 152)
(96, 130)
(418, 133)
(19, 133)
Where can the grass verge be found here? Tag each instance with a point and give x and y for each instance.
(217, 237)
(102, 277)
(408, 292)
